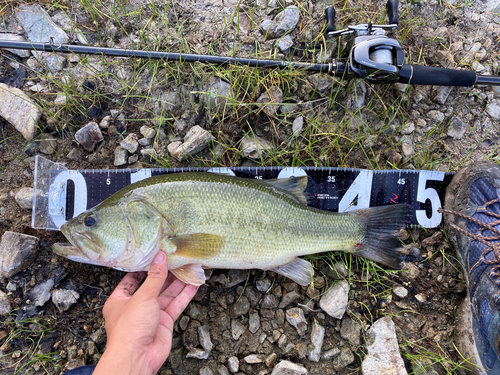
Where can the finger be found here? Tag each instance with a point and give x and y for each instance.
(128, 285)
(169, 294)
(180, 302)
(157, 275)
(170, 279)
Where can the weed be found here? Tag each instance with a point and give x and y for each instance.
(26, 335)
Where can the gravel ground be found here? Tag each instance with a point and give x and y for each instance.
(98, 112)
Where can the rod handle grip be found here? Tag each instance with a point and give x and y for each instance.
(392, 12)
(330, 19)
(427, 75)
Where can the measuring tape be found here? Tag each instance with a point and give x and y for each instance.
(61, 194)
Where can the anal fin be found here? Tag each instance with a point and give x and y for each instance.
(299, 270)
(190, 274)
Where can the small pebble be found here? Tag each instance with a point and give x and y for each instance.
(400, 291)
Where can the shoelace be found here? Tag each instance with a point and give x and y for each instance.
(491, 247)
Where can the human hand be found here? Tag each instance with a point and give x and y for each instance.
(139, 324)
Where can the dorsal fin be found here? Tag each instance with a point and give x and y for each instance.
(294, 187)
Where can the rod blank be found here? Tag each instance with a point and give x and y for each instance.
(170, 56)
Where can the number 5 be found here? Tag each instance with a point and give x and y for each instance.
(424, 194)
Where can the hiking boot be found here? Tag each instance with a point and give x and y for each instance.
(472, 221)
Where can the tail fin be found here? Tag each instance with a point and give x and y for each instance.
(382, 224)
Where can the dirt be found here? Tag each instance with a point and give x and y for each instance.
(52, 341)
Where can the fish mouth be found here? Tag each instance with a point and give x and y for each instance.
(64, 249)
(73, 250)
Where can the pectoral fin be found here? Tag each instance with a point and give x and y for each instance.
(190, 274)
(197, 245)
(299, 270)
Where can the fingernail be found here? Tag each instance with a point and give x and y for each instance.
(159, 258)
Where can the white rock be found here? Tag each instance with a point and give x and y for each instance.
(148, 132)
(237, 329)
(16, 252)
(149, 152)
(39, 26)
(295, 316)
(254, 147)
(130, 143)
(105, 122)
(144, 142)
(329, 354)
(64, 298)
(205, 370)
(234, 364)
(297, 126)
(442, 94)
(121, 156)
(383, 350)
(493, 110)
(435, 116)
(317, 337)
(40, 293)
(400, 291)
(204, 336)
(5, 306)
(254, 358)
(334, 301)
(195, 140)
(24, 197)
(407, 150)
(457, 128)
(11, 286)
(253, 322)
(19, 110)
(283, 23)
(420, 297)
(60, 99)
(285, 43)
(478, 67)
(38, 88)
(198, 354)
(289, 368)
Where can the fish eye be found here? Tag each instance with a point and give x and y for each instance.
(90, 221)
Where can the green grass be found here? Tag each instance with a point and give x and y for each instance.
(30, 333)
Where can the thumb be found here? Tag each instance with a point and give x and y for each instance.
(157, 275)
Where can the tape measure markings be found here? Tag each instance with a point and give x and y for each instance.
(332, 189)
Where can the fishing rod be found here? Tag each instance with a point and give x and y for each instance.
(370, 54)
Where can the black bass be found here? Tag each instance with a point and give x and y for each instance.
(207, 220)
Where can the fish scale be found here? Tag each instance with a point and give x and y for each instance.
(263, 229)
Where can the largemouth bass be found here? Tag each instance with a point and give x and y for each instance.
(206, 220)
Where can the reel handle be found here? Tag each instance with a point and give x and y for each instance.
(392, 12)
(330, 19)
(426, 75)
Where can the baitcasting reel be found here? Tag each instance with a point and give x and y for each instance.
(370, 52)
